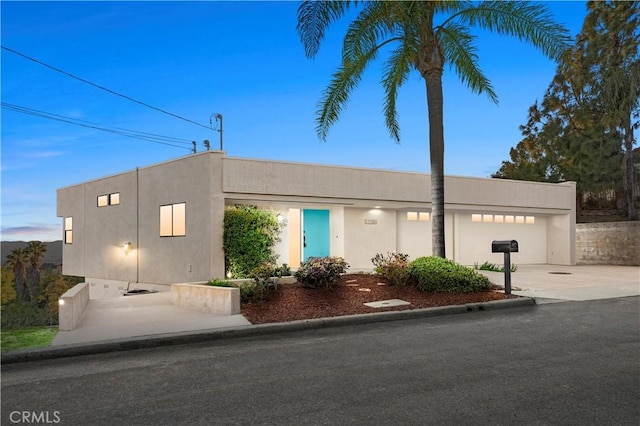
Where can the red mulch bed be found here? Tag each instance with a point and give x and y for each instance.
(292, 302)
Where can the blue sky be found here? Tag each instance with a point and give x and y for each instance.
(241, 59)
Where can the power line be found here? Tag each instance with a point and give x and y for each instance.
(103, 88)
(149, 137)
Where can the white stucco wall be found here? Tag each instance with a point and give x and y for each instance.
(474, 241)
(367, 232)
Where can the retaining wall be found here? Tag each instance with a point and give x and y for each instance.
(608, 243)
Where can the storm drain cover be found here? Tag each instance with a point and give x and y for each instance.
(387, 303)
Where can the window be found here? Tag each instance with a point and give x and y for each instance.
(499, 218)
(421, 216)
(109, 199)
(173, 220)
(68, 230)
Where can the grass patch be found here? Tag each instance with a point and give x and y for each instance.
(13, 339)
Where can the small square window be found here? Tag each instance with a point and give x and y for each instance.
(423, 216)
(508, 219)
(103, 200)
(412, 215)
(487, 218)
(114, 199)
(519, 219)
(476, 218)
(498, 218)
(530, 220)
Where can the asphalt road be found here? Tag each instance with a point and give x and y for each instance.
(555, 364)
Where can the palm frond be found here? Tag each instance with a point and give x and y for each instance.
(458, 48)
(336, 95)
(314, 17)
(531, 22)
(396, 71)
(372, 24)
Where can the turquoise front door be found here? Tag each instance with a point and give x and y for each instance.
(315, 233)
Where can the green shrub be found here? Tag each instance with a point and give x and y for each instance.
(266, 278)
(284, 271)
(442, 275)
(321, 272)
(220, 283)
(394, 267)
(26, 314)
(249, 293)
(487, 266)
(248, 238)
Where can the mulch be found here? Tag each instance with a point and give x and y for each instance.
(292, 302)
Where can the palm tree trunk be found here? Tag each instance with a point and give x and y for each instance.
(435, 106)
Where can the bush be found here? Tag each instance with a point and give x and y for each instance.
(26, 314)
(321, 272)
(220, 283)
(443, 275)
(394, 267)
(488, 266)
(249, 293)
(248, 238)
(283, 271)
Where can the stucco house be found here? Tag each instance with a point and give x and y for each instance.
(162, 224)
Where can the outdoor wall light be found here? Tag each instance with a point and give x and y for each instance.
(60, 302)
(280, 218)
(126, 247)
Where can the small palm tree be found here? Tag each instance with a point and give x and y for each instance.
(35, 250)
(17, 260)
(426, 36)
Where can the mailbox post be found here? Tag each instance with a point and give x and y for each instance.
(507, 247)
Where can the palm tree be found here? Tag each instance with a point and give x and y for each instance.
(34, 250)
(17, 260)
(421, 43)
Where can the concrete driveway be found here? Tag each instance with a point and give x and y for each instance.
(547, 283)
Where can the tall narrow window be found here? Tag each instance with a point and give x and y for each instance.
(173, 220)
(68, 230)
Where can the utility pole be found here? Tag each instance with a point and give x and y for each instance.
(218, 117)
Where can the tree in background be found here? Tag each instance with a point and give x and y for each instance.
(422, 43)
(17, 260)
(35, 250)
(8, 291)
(584, 126)
(612, 38)
(53, 286)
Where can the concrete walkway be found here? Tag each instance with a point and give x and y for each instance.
(141, 315)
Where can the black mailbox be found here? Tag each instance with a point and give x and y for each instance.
(507, 247)
(504, 246)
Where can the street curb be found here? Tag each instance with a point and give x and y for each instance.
(182, 338)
